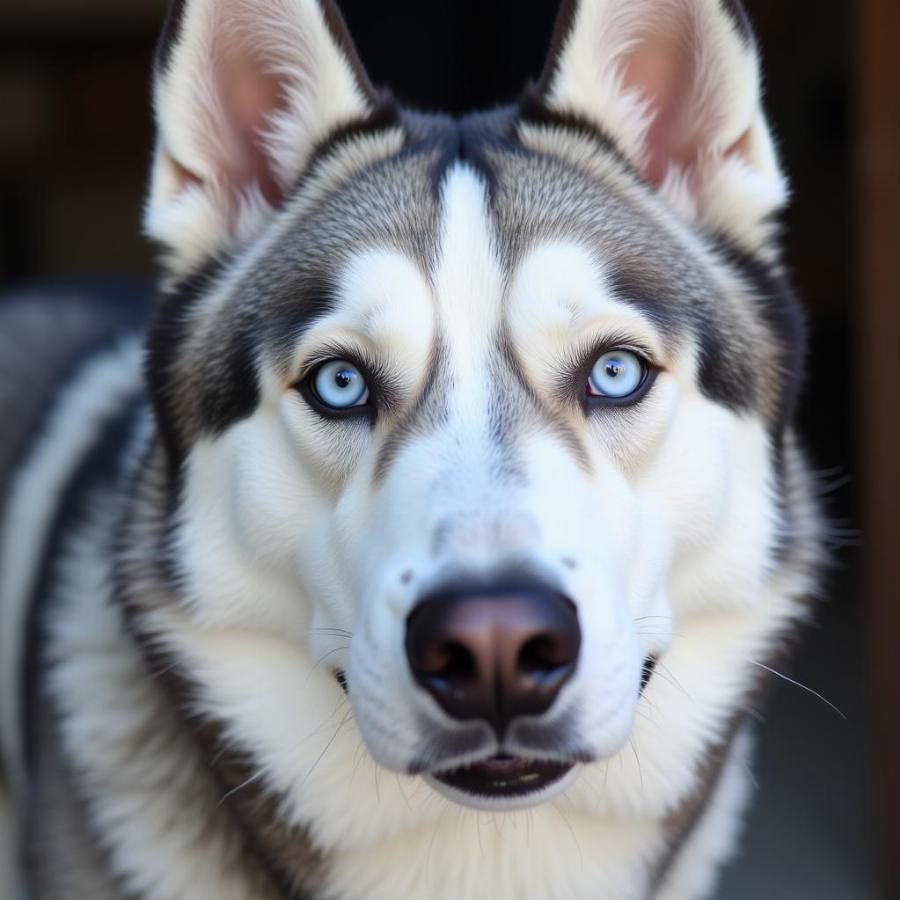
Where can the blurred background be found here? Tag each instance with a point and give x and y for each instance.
(75, 139)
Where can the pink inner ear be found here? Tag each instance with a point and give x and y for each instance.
(662, 69)
(249, 96)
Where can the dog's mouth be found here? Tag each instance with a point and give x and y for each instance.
(504, 776)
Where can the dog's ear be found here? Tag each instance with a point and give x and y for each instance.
(244, 90)
(676, 85)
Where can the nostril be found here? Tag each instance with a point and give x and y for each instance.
(452, 664)
(542, 655)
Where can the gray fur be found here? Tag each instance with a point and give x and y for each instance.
(41, 340)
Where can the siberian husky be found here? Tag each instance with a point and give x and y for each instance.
(434, 539)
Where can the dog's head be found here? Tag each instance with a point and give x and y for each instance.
(468, 415)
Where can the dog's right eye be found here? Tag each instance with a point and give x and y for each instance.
(339, 385)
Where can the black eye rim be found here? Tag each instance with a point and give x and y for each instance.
(306, 386)
(648, 375)
(577, 379)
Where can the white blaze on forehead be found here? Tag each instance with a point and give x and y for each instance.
(468, 280)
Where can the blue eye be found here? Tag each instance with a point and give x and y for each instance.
(617, 375)
(339, 384)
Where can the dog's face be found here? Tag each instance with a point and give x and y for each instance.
(471, 417)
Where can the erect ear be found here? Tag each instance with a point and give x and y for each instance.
(244, 90)
(676, 84)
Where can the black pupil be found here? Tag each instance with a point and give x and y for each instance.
(613, 368)
(344, 378)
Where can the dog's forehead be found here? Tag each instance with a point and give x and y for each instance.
(469, 211)
(469, 208)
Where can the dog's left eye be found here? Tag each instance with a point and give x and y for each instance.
(338, 384)
(617, 375)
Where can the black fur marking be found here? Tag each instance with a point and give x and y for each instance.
(170, 35)
(779, 309)
(722, 372)
(169, 327)
(719, 379)
(220, 387)
(221, 405)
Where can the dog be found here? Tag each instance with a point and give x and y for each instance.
(436, 534)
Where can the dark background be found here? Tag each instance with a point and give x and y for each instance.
(75, 139)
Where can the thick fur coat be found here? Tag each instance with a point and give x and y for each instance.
(209, 566)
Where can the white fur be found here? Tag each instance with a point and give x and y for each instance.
(80, 411)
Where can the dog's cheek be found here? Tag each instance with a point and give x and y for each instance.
(247, 509)
(715, 486)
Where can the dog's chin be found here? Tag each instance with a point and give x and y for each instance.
(502, 782)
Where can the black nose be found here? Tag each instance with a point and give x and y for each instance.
(493, 654)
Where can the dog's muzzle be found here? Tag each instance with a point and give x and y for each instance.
(493, 654)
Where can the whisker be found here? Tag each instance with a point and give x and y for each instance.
(325, 656)
(800, 685)
(326, 748)
(666, 673)
(358, 758)
(638, 761)
(339, 632)
(403, 791)
(254, 777)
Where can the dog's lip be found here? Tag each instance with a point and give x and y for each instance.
(504, 776)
